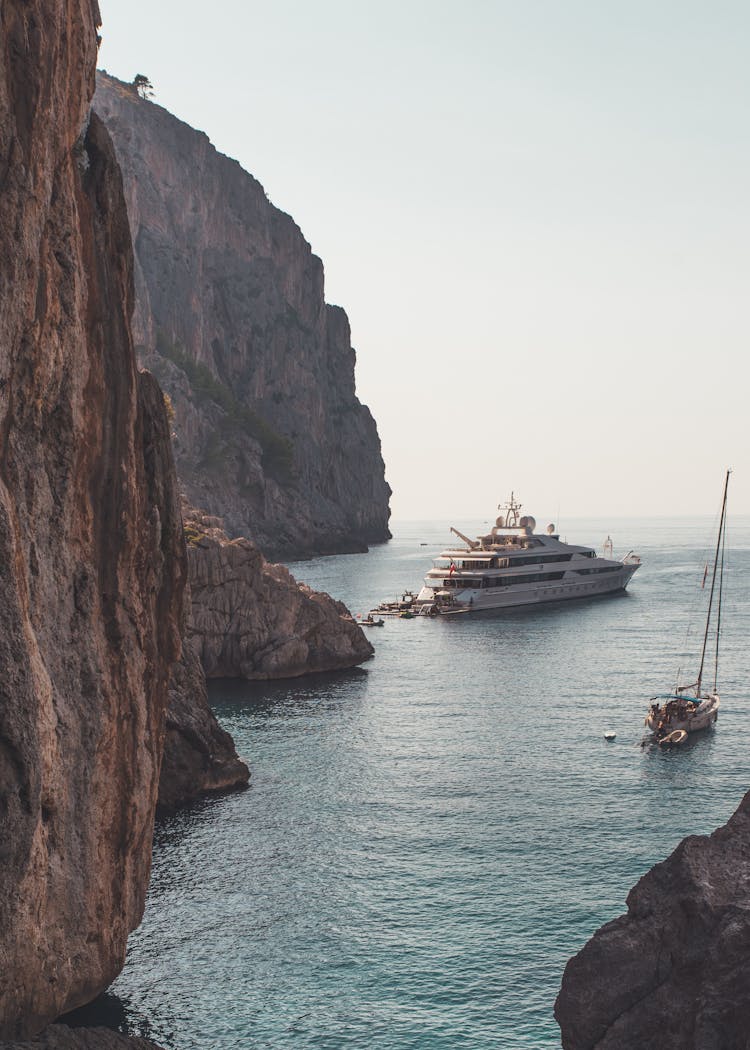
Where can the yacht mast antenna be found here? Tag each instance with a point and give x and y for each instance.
(511, 509)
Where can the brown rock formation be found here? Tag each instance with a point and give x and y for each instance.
(674, 972)
(230, 313)
(91, 551)
(61, 1037)
(250, 619)
(199, 756)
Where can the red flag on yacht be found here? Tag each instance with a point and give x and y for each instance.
(452, 568)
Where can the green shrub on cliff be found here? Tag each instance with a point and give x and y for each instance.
(192, 535)
(169, 408)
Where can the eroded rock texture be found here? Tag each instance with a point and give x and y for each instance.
(199, 756)
(250, 619)
(674, 972)
(231, 317)
(91, 550)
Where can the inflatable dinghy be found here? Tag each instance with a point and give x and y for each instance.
(673, 739)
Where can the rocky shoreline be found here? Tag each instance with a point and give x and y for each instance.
(93, 559)
(245, 618)
(251, 619)
(115, 610)
(674, 972)
(200, 758)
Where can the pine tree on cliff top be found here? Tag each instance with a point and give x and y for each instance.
(143, 86)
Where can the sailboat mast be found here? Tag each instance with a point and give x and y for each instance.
(713, 580)
(718, 608)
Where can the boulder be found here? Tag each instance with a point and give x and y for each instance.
(674, 972)
(252, 619)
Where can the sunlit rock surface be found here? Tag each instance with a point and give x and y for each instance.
(251, 619)
(91, 548)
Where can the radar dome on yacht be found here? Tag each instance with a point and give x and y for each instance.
(550, 529)
(523, 522)
(531, 522)
(500, 522)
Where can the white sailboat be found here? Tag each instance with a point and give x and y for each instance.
(690, 708)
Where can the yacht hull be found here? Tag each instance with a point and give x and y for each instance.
(512, 565)
(517, 595)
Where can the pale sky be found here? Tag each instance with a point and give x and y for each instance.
(536, 215)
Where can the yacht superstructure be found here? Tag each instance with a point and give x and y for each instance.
(514, 565)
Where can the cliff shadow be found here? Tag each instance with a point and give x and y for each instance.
(118, 1014)
(285, 696)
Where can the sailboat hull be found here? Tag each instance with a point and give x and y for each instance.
(699, 711)
(701, 717)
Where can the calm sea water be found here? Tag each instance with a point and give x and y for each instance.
(428, 839)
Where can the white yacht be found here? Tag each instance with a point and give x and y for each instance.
(514, 565)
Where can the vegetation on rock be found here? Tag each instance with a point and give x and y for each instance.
(143, 86)
(278, 452)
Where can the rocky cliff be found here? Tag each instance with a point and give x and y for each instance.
(674, 972)
(231, 317)
(91, 548)
(250, 619)
(245, 618)
(199, 756)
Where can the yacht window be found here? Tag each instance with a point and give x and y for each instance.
(533, 577)
(539, 559)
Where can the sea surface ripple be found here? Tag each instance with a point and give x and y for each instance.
(428, 839)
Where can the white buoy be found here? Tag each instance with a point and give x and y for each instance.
(609, 735)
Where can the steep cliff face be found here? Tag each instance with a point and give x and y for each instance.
(91, 551)
(674, 972)
(199, 756)
(250, 619)
(231, 317)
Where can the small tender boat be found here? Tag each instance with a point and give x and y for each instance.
(610, 735)
(691, 708)
(404, 607)
(673, 739)
(369, 621)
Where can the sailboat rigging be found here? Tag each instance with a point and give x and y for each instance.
(689, 708)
